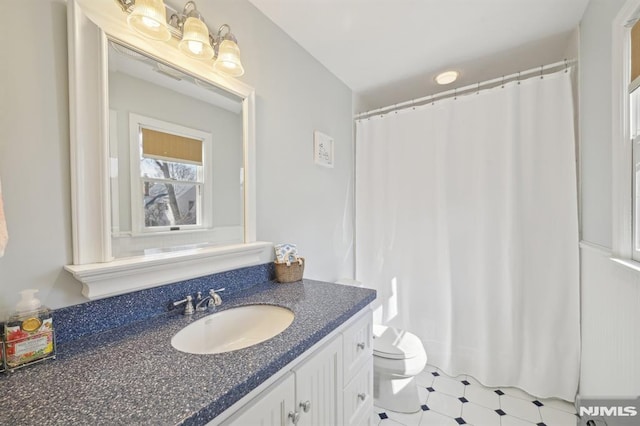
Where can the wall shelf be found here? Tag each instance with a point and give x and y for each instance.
(128, 274)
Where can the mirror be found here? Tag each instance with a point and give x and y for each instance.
(162, 184)
(175, 150)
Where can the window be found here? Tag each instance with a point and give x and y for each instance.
(634, 122)
(168, 177)
(634, 98)
(171, 179)
(625, 149)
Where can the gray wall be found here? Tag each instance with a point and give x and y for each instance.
(34, 154)
(610, 292)
(297, 201)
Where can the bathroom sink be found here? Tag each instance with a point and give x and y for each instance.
(232, 329)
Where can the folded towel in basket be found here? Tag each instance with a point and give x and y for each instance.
(286, 253)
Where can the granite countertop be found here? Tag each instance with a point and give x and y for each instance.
(132, 375)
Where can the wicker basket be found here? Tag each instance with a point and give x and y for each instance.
(291, 273)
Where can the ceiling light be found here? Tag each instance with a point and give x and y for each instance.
(447, 77)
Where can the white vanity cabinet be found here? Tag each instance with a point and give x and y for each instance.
(272, 408)
(358, 372)
(319, 386)
(332, 385)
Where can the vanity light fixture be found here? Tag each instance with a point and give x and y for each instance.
(148, 17)
(227, 53)
(447, 77)
(195, 34)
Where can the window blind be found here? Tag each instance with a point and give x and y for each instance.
(170, 147)
(635, 51)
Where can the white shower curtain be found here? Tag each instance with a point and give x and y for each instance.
(467, 225)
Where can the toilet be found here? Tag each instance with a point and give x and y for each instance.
(398, 356)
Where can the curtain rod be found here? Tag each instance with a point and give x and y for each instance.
(541, 71)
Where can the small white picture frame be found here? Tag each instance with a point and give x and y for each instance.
(323, 149)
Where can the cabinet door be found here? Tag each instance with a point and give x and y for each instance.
(319, 387)
(358, 397)
(274, 408)
(358, 345)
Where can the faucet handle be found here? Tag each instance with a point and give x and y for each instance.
(215, 297)
(188, 307)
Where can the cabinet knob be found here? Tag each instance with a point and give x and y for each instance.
(362, 396)
(294, 416)
(306, 406)
(361, 345)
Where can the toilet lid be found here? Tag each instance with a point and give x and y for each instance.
(394, 343)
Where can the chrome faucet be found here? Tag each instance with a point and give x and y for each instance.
(213, 300)
(188, 305)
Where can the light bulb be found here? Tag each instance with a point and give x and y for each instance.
(150, 22)
(195, 47)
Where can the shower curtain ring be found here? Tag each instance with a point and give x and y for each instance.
(503, 81)
(541, 69)
(478, 89)
(565, 65)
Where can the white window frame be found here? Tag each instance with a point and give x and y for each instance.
(623, 250)
(136, 123)
(634, 104)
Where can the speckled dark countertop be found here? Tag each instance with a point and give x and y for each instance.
(133, 376)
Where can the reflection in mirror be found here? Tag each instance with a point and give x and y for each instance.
(176, 155)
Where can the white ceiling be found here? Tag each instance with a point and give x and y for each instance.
(371, 44)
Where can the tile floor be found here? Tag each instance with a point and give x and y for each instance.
(463, 400)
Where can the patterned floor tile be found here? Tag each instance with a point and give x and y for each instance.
(518, 393)
(482, 396)
(423, 394)
(554, 417)
(424, 379)
(520, 408)
(431, 418)
(444, 404)
(477, 415)
(406, 419)
(559, 404)
(381, 417)
(389, 422)
(514, 421)
(473, 380)
(449, 401)
(448, 386)
(430, 369)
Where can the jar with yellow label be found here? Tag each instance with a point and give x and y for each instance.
(29, 335)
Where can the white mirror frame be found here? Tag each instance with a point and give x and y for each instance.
(89, 22)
